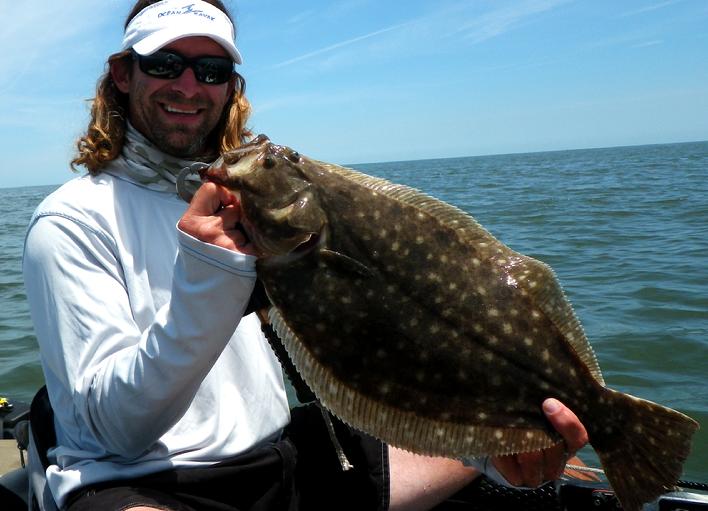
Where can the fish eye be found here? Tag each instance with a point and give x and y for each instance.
(268, 162)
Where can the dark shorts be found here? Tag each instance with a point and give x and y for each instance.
(299, 472)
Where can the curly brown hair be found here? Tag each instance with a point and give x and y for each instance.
(103, 140)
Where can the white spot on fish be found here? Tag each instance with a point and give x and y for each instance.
(419, 240)
(507, 328)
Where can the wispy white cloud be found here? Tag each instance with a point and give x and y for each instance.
(648, 8)
(458, 21)
(338, 45)
(504, 19)
(301, 17)
(648, 43)
(40, 31)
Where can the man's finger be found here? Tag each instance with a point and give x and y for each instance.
(567, 424)
(206, 200)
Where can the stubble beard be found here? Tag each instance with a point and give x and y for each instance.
(180, 140)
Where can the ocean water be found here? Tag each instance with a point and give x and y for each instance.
(625, 229)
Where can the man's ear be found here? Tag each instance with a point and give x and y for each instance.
(121, 72)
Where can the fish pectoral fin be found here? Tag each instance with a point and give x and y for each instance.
(345, 263)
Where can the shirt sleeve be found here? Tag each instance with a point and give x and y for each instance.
(128, 386)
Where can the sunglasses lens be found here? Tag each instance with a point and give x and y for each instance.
(213, 70)
(209, 70)
(162, 64)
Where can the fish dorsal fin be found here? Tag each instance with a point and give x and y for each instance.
(539, 280)
(404, 429)
(445, 213)
(546, 291)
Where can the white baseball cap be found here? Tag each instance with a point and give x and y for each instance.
(159, 24)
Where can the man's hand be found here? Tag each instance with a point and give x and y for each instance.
(533, 468)
(212, 217)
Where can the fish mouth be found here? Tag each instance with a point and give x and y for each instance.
(225, 168)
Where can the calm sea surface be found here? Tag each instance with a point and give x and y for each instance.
(625, 229)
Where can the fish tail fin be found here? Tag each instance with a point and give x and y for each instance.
(642, 449)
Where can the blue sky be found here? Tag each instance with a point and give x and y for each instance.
(358, 81)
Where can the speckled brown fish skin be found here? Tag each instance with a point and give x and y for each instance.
(413, 323)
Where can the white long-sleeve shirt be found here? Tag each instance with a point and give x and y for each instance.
(147, 359)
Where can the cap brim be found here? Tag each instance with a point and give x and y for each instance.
(162, 38)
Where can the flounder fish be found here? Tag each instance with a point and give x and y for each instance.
(411, 322)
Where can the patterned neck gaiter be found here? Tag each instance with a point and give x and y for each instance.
(142, 163)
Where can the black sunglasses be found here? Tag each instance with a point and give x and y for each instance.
(169, 65)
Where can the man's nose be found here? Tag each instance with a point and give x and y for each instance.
(186, 83)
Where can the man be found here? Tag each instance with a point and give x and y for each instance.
(165, 397)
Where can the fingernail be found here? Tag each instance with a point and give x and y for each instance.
(551, 406)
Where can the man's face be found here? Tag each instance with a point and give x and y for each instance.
(177, 115)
